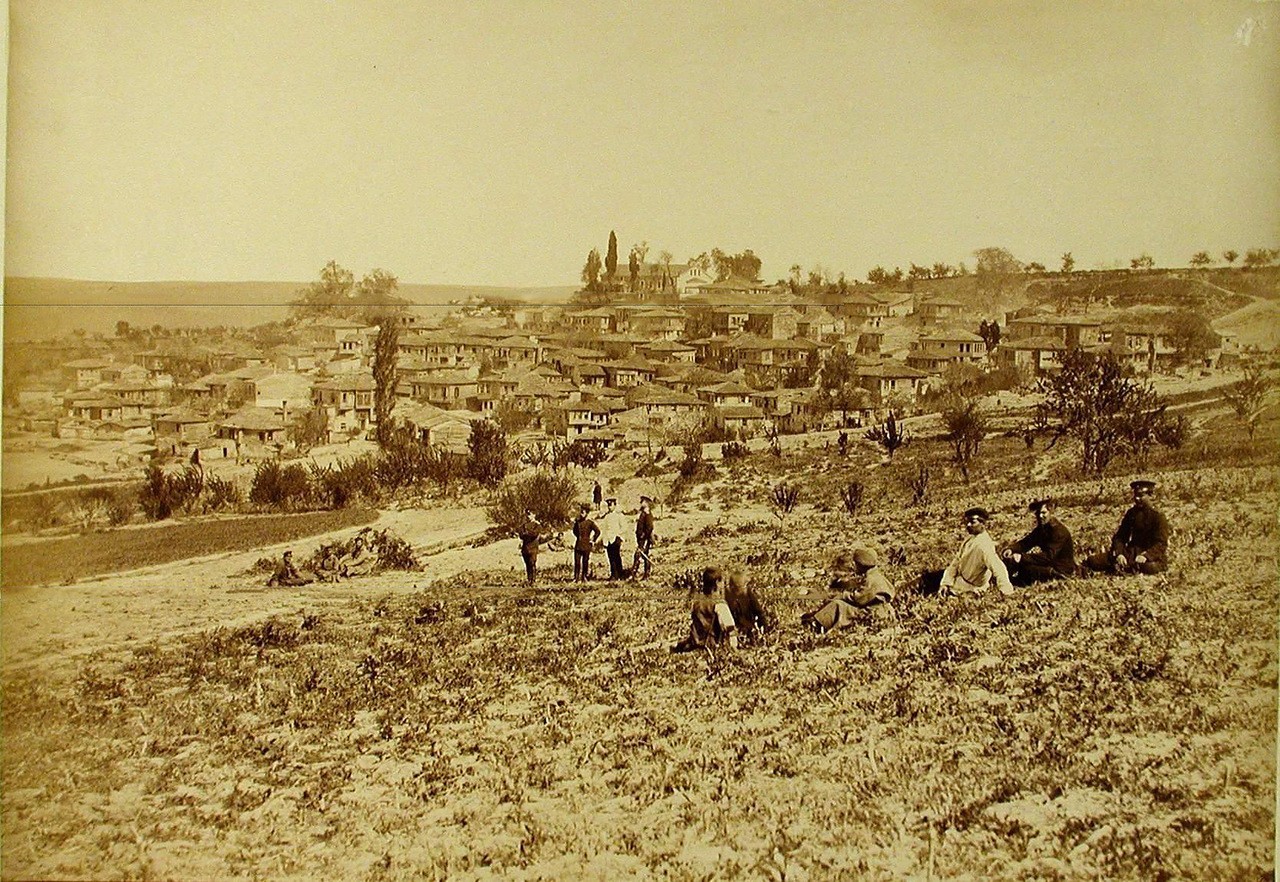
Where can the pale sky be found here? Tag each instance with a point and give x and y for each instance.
(497, 142)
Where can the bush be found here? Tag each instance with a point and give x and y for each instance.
(733, 450)
(277, 487)
(162, 493)
(586, 454)
(852, 496)
(338, 485)
(220, 493)
(551, 497)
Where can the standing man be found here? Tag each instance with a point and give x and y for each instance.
(612, 526)
(585, 534)
(1045, 553)
(1141, 544)
(644, 541)
(975, 564)
(530, 539)
(596, 495)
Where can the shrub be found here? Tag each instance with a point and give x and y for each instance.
(733, 450)
(918, 484)
(851, 496)
(586, 454)
(277, 487)
(551, 497)
(220, 493)
(890, 435)
(338, 485)
(966, 427)
(162, 493)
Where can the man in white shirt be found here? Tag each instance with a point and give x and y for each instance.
(612, 527)
(977, 562)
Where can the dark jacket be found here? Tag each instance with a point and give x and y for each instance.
(1143, 530)
(644, 529)
(1054, 540)
(585, 534)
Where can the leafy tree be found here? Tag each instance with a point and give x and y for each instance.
(995, 268)
(990, 334)
(591, 271)
(837, 385)
(1230, 256)
(548, 496)
(1035, 267)
(385, 350)
(877, 275)
(1094, 401)
(917, 271)
(1248, 397)
(513, 418)
(1200, 259)
(488, 453)
(310, 428)
(941, 270)
(322, 297)
(1142, 262)
(891, 435)
(796, 277)
(279, 487)
(611, 259)
(122, 329)
(633, 267)
(1255, 258)
(744, 264)
(1191, 335)
(1068, 262)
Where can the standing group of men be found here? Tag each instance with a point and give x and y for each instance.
(608, 528)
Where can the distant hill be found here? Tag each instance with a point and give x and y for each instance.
(36, 308)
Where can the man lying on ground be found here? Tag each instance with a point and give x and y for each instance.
(859, 585)
(1045, 553)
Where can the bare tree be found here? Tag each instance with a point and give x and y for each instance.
(386, 347)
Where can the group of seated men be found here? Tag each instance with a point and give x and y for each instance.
(329, 565)
(859, 586)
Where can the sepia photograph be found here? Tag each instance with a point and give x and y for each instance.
(666, 440)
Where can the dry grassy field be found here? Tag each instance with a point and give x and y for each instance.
(1119, 728)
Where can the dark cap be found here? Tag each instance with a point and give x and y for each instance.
(644, 499)
(1037, 504)
(612, 499)
(977, 513)
(1143, 486)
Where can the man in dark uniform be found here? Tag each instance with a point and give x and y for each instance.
(1045, 553)
(530, 538)
(1141, 544)
(642, 564)
(585, 534)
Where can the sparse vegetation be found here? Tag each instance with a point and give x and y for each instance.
(890, 435)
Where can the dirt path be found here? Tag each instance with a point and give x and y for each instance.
(56, 625)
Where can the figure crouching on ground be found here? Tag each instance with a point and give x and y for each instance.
(711, 623)
(1046, 553)
(859, 585)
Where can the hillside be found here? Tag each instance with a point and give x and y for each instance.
(36, 308)
(453, 723)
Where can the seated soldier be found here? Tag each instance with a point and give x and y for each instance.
(859, 584)
(1045, 553)
(287, 574)
(1141, 544)
(360, 562)
(975, 565)
(711, 622)
(749, 616)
